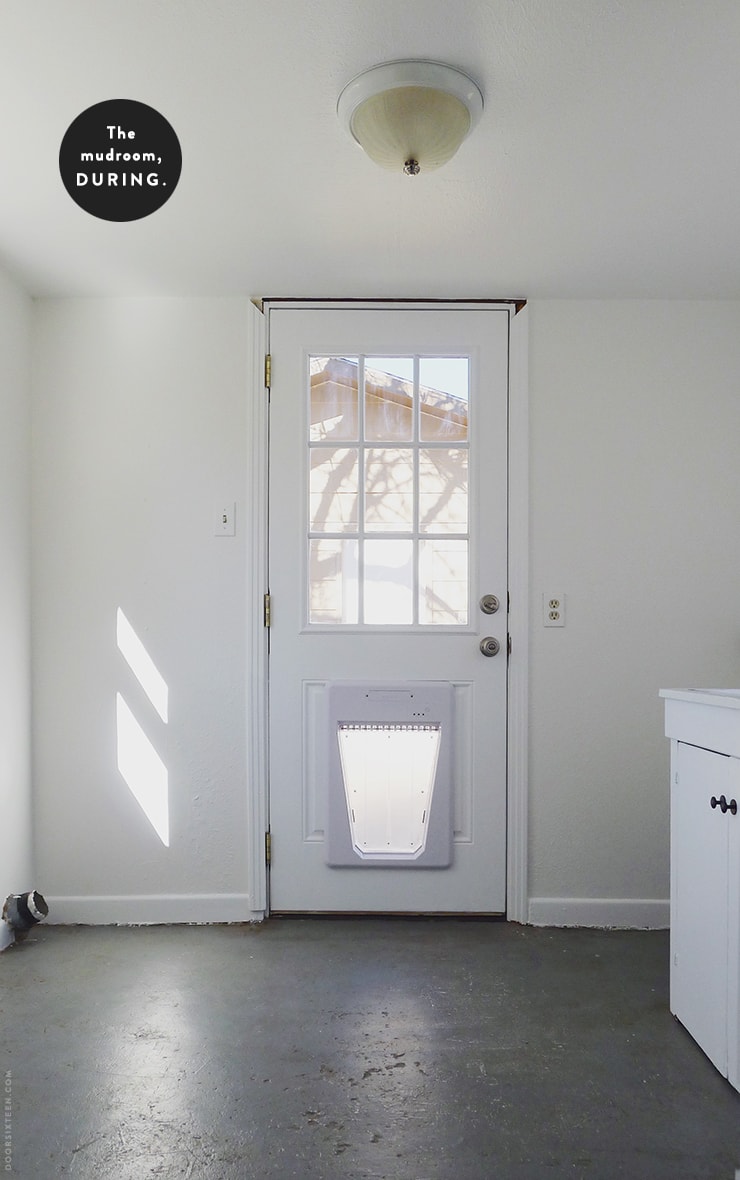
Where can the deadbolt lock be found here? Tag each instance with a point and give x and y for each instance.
(489, 604)
(490, 646)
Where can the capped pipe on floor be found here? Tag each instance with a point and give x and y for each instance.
(21, 912)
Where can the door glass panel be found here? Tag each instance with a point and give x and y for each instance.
(389, 490)
(444, 398)
(375, 505)
(333, 399)
(388, 582)
(333, 493)
(389, 399)
(333, 581)
(443, 490)
(443, 582)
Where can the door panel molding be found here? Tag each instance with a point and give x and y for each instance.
(462, 829)
(313, 709)
(257, 635)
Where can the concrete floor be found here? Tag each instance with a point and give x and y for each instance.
(361, 1049)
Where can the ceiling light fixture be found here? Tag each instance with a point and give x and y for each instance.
(410, 116)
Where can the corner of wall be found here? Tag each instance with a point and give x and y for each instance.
(16, 865)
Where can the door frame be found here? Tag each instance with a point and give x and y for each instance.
(256, 529)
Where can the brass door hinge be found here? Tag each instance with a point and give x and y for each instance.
(267, 607)
(268, 370)
(268, 849)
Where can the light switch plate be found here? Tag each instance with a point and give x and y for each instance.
(224, 521)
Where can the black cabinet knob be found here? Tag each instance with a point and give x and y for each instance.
(723, 805)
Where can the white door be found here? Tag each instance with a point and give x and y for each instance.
(387, 526)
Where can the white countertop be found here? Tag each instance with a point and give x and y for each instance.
(726, 698)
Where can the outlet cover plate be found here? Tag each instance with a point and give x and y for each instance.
(553, 608)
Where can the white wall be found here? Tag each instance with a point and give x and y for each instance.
(139, 433)
(16, 862)
(635, 479)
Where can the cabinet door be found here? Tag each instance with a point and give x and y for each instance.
(699, 903)
(733, 932)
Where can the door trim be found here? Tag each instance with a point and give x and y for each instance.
(256, 671)
(256, 519)
(517, 768)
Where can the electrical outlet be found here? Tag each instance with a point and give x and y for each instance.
(553, 608)
(224, 521)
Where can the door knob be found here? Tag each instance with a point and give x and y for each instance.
(490, 646)
(489, 604)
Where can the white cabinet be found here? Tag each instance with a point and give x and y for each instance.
(704, 727)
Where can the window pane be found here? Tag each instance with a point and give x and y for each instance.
(333, 409)
(443, 491)
(389, 399)
(400, 498)
(389, 490)
(388, 582)
(332, 580)
(443, 582)
(444, 398)
(333, 498)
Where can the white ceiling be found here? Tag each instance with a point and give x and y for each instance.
(606, 164)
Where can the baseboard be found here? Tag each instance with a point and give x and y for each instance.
(623, 913)
(138, 910)
(135, 910)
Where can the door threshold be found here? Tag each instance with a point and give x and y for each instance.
(393, 915)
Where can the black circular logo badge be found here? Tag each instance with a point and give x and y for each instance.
(120, 160)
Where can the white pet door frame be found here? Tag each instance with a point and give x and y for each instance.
(389, 789)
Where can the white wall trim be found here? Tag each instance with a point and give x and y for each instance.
(257, 636)
(517, 772)
(624, 913)
(149, 910)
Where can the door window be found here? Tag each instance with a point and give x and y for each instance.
(388, 489)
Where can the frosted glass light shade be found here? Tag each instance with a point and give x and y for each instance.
(411, 123)
(410, 115)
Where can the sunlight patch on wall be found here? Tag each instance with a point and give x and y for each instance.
(143, 770)
(141, 767)
(141, 664)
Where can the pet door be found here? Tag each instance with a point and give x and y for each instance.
(390, 790)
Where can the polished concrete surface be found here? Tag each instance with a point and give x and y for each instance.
(361, 1049)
